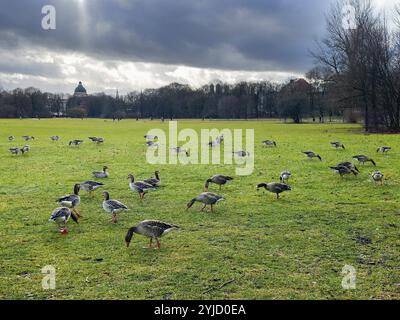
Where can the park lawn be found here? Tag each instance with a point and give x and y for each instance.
(252, 247)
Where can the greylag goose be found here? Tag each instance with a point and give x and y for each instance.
(343, 170)
(150, 137)
(179, 150)
(206, 198)
(155, 182)
(75, 142)
(55, 138)
(269, 143)
(152, 144)
(218, 180)
(14, 150)
(27, 138)
(274, 187)
(312, 155)
(101, 174)
(90, 186)
(11, 138)
(61, 217)
(285, 176)
(72, 200)
(363, 159)
(152, 229)
(384, 149)
(113, 206)
(25, 149)
(348, 165)
(140, 187)
(241, 154)
(378, 176)
(337, 145)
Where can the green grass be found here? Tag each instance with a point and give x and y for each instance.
(294, 248)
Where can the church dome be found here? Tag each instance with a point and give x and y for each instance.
(80, 88)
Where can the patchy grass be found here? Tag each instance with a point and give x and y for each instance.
(261, 248)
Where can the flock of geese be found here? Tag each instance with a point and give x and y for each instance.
(154, 229)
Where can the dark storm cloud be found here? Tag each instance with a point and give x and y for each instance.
(261, 35)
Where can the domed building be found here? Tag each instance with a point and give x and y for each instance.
(80, 90)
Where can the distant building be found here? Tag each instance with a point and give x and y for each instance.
(80, 91)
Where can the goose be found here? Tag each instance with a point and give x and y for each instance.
(55, 138)
(274, 187)
(343, 170)
(94, 139)
(150, 137)
(25, 149)
(14, 150)
(179, 150)
(61, 217)
(384, 149)
(337, 145)
(311, 155)
(269, 143)
(90, 186)
(72, 200)
(99, 140)
(242, 154)
(219, 180)
(113, 206)
(27, 138)
(155, 182)
(75, 142)
(152, 229)
(285, 176)
(140, 187)
(377, 176)
(206, 198)
(152, 144)
(11, 138)
(101, 174)
(348, 165)
(363, 159)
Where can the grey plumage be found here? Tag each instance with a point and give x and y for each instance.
(311, 154)
(140, 187)
(101, 174)
(363, 159)
(219, 180)
(113, 206)
(274, 187)
(206, 198)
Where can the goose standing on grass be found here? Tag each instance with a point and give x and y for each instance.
(14, 150)
(218, 180)
(269, 143)
(11, 138)
(206, 198)
(61, 217)
(378, 176)
(274, 187)
(101, 174)
(113, 206)
(348, 165)
(312, 155)
(342, 170)
(363, 159)
(152, 144)
(155, 182)
(179, 150)
(75, 142)
(25, 149)
(90, 186)
(27, 138)
(140, 187)
(337, 145)
(55, 138)
(152, 229)
(384, 149)
(72, 200)
(285, 176)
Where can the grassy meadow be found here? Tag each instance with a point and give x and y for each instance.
(252, 247)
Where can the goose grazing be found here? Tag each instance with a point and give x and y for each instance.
(378, 176)
(90, 186)
(14, 150)
(27, 138)
(99, 140)
(25, 149)
(150, 137)
(75, 142)
(384, 149)
(152, 229)
(274, 187)
(152, 144)
(337, 145)
(72, 200)
(155, 182)
(179, 150)
(101, 174)
(113, 206)
(55, 138)
(285, 176)
(140, 187)
(11, 138)
(342, 170)
(269, 143)
(61, 217)
(206, 198)
(242, 154)
(218, 180)
(363, 159)
(312, 155)
(348, 165)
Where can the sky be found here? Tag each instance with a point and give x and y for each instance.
(137, 44)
